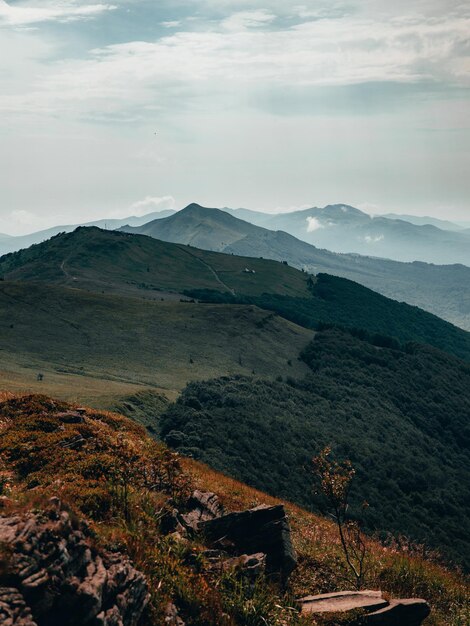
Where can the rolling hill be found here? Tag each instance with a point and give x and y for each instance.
(161, 345)
(130, 265)
(443, 290)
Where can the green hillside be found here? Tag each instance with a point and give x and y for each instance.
(110, 261)
(400, 416)
(159, 344)
(134, 265)
(341, 302)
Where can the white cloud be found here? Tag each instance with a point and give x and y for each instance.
(372, 239)
(218, 62)
(150, 204)
(27, 15)
(313, 224)
(244, 20)
(171, 24)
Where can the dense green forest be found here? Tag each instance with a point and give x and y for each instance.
(400, 415)
(344, 303)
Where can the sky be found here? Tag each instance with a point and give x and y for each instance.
(269, 105)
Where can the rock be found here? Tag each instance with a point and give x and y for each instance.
(70, 417)
(13, 609)
(204, 506)
(378, 611)
(61, 578)
(343, 601)
(73, 443)
(262, 529)
(170, 522)
(250, 566)
(171, 616)
(410, 612)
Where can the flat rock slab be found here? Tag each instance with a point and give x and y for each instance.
(410, 612)
(378, 611)
(343, 601)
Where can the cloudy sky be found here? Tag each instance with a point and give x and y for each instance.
(259, 104)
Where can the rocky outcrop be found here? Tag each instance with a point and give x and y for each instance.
(54, 575)
(376, 610)
(262, 529)
(204, 506)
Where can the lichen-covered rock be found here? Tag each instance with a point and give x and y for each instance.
(61, 578)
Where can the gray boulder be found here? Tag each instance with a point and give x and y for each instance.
(263, 529)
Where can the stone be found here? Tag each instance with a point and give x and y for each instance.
(13, 609)
(70, 417)
(262, 529)
(204, 506)
(343, 601)
(409, 612)
(377, 611)
(171, 616)
(62, 578)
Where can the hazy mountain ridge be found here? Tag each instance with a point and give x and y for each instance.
(343, 228)
(442, 290)
(13, 243)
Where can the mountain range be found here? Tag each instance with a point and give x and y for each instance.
(343, 228)
(443, 290)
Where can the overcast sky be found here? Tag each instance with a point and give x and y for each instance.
(265, 105)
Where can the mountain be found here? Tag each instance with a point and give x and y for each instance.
(426, 219)
(442, 290)
(117, 262)
(134, 265)
(399, 414)
(9, 243)
(343, 228)
(209, 229)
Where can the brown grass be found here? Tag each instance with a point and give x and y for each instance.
(121, 481)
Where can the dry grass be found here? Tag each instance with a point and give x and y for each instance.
(122, 480)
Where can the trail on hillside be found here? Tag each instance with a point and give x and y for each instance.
(212, 270)
(65, 272)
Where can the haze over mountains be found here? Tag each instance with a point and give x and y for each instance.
(442, 290)
(10, 243)
(343, 228)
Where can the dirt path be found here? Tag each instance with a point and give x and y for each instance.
(212, 270)
(66, 274)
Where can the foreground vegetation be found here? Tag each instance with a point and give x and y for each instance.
(121, 480)
(399, 414)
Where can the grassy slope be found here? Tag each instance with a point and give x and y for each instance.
(98, 260)
(338, 301)
(29, 430)
(401, 418)
(129, 341)
(103, 261)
